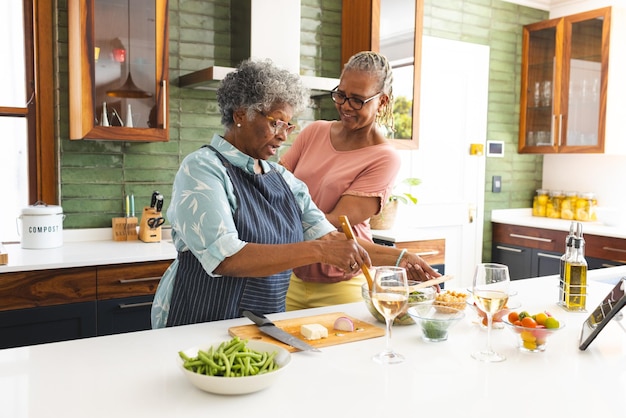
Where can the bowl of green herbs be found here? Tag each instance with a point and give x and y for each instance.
(435, 324)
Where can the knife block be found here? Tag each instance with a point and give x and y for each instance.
(147, 234)
(124, 229)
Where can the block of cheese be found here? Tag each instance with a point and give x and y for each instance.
(314, 331)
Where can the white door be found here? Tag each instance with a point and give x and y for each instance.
(453, 115)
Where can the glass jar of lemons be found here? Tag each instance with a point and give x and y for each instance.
(553, 208)
(586, 204)
(568, 206)
(540, 202)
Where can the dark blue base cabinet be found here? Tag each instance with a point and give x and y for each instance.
(64, 304)
(47, 324)
(534, 252)
(116, 316)
(525, 262)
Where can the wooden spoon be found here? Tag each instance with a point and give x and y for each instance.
(347, 230)
(432, 282)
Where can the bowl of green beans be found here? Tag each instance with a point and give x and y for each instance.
(234, 367)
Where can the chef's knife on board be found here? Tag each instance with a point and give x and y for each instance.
(267, 327)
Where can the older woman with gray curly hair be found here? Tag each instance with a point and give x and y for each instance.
(239, 222)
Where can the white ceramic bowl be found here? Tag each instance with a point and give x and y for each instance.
(237, 385)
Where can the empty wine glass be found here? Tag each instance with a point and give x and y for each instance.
(390, 295)
(491, 292)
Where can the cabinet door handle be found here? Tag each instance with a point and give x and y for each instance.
(530, 238)
(619, 250)
(432, 252)
(133, 305)
(558, 257)
(513, 250)
(164, 91)
(560, 127)
(143, 279)
(605, 265)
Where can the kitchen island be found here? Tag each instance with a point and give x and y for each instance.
(136, 374)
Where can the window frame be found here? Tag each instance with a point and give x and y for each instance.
(39, 110)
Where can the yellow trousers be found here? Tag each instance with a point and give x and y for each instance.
(303, 295)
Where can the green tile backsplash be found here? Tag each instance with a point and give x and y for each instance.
(95, 175)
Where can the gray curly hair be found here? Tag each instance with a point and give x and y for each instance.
(378, 66)
(258, 86)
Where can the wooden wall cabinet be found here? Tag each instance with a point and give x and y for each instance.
(564, 84)
(118, 69)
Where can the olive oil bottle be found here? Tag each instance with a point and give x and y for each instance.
(575, 274)
(569, 245)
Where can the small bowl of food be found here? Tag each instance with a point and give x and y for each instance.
(532, 332)
(435, 323)
(450, 299)
(416, 297)
(215, 369)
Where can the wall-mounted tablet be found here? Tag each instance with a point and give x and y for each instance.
(610, 306)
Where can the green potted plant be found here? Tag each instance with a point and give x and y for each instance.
(386, 218)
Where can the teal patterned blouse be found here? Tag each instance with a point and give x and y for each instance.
(201, 214)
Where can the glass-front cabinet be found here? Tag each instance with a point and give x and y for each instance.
(118, 69)
(564, 84)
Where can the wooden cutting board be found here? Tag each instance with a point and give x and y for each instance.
(363, 331)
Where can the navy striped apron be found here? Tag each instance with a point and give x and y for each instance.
(267, 213)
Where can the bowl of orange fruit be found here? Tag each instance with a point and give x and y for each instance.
(532, 331)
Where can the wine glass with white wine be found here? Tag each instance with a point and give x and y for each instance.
(390, 295)
(491, 292)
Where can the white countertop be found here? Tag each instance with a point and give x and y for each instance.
(87, 247)
(136, 374)
(524, 217)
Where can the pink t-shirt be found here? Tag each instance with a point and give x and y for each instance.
(330, 174)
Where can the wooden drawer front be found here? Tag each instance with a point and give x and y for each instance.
(120, 281)
(607, 248)
(29, 289)
(542, 239)
(432, 251)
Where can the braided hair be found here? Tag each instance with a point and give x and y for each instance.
(378, 66)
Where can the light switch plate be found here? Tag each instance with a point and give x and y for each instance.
(496, 184)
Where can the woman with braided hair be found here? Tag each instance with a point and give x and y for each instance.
(349, 167)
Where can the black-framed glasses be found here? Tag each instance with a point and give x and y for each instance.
(279, 126)
(355, 102)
